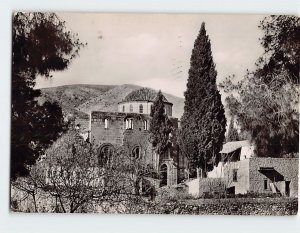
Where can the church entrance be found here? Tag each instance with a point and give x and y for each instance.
(164, 175)
(105, 155)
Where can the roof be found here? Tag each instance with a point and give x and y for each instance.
(232, 146)
(266, 169)
(142, 94)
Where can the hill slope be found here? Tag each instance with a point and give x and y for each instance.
(79, 100)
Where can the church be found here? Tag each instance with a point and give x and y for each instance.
(129, 128)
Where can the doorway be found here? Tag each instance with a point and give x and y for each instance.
(287, 188)
(164, 175)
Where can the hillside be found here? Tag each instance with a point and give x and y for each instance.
(79, 99)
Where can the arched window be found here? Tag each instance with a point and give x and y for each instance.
(141, 108)
(131, 108)
(106, 124)
(105, 155)
(129, 123)
(135, 154)
(123, 108)
(145, 125)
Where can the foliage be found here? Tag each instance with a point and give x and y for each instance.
(281, 41)
(203, 122)
(160, 125)
(40, 45)
(174, 194)
(74, 177)
(232, 134)
(265, 101)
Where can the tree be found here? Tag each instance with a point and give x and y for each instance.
(265, 101)
(281, 41)
(203, 122)
(232, 134)
(73, 176)
(160, 126)
(40, 45)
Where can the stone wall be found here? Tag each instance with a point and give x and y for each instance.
(201, 186)
(146, 107)
(117, 135)
(263, 175)
(140, 137)
(109, 128)
(284, 170)
(116, 130)
(209, 185)
(241, 184)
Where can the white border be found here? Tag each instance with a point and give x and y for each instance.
(32, 223)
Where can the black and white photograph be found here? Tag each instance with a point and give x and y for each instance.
(154, 113)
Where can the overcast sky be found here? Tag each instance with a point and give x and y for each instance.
(154, 50)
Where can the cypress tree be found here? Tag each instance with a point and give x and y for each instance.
(160, 125)
(203, 122)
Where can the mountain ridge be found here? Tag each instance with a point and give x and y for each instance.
(79, 99)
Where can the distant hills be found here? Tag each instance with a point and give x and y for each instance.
(80, 99)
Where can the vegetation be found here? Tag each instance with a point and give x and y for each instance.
(160, 126)
(74, 176)
(265, 101)
(40, 45)
(203, 122)
(232, 134)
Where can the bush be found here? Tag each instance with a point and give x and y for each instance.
(222, 195)
(174, 194)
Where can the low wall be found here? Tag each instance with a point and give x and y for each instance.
(198, 187)
(193, 187)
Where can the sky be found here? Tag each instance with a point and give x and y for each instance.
(154, 50)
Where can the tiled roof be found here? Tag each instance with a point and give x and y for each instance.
(232, 146)
(142, 94)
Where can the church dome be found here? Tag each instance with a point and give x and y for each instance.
(142, 94)
(141, 101)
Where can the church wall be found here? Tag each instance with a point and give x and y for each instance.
(136, 107)
(114, 132)
(146, 107)
(111, 128)
(117, 135)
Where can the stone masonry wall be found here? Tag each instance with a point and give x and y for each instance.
(146, 107)
(285, 169)
(113, 134)
(117, 135)
(140, 137)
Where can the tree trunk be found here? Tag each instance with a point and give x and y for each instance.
(34, 202)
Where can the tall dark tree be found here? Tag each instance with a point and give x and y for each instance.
(40, 44)
(160, 126)
(203, 122)
(232, 134)
(266, 100)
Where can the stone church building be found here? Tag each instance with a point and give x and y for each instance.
(129, 128)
